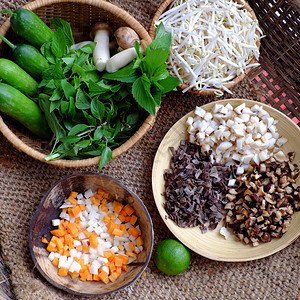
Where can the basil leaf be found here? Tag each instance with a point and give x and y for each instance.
(70, 139)
(141, 93)
(66, 29)
(57, 94)
(98, 134)
(82, 101)
(169, 84)
(106, 155)
(97, 109)
(155, 58)
(58, 45)
(69, 90)
(78, 128)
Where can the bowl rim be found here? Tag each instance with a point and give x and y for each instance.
(62, 287)
(140, 132)
(161, 9)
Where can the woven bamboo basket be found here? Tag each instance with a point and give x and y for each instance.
(163, 7)
(81, 14)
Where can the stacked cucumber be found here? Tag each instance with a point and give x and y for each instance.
(19, 86)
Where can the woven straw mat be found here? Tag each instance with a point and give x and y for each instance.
(24, 181)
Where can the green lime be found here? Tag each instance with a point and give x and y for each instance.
(171, 257)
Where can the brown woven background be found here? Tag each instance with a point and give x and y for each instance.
(24, 181)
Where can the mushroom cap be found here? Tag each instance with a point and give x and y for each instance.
(126, 37)
(100, 26)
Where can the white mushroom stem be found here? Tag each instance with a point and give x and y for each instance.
(80, 45)
(123, 58)
(101, 52)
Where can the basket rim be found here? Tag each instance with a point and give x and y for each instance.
(183, 86)
(141, 131)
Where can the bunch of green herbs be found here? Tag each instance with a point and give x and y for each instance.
(91, 113)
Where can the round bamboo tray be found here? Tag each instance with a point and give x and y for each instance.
(81, 14)
(163, 7)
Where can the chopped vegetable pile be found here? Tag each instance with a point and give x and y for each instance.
(213, 41)
(95, 238)
(195, 188)
(237, 136)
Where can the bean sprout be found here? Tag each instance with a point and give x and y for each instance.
(213, 41)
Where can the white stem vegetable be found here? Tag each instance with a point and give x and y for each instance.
(101, 33)
(123, 58)
(80, 45)
(213, 41)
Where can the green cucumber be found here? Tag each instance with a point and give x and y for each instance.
(29, 26)
(14, 75)
(28, 58)
(16, 105)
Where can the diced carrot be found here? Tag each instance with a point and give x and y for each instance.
(95, 201)
(133, 219)
(85, 248)
(59, 244)
(55, 261)
(53, 239)
(128, 209)
(139, 241)
(74, 211)
(72, 229)
(82, 206)
(58, 232)
(123, 228)
(93, 241)
(104, 208)
(98, 196)
(106, 219)
(83, 275)
(81, 262)
(89, 277)
(73, 194)
(103, 276)
(100, 191)
(117, 232)
(51, 247)
(113, 277)
(131, 254)
(124, 267)
(131, 246)
(112, 266)
(112, 216)
(121, 247)
(74, 274)
(125, 259)
(77, 220)
(118, 207)
(110, 227)
(121, 218)
(44, 240)
(72, 200)
(118, 271)
(123, 212)
(64, 210)
(87, 233)
(109, 255)
(134, 231)
(127, 219)
(118, 261)
(63, 272)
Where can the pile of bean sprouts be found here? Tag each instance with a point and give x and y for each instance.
(213, 41)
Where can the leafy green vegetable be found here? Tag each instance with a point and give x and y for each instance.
(91, 113)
